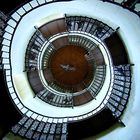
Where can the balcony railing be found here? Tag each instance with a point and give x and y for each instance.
(88, 25)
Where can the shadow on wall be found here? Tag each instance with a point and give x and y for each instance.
(93, 126)
(7, 8)
(8, 114)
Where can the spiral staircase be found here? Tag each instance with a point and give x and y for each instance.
(68, 73)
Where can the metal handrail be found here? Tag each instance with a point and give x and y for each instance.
(119, 4)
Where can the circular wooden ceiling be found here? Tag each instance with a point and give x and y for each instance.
(69, 66)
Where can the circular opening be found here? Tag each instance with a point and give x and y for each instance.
(69, 68)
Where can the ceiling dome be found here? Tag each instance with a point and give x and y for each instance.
(66, 67)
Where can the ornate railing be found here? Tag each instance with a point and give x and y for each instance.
(88, 25)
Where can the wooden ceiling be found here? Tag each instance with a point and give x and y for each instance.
(69, 66)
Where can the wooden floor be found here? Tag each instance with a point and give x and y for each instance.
(74, 57)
